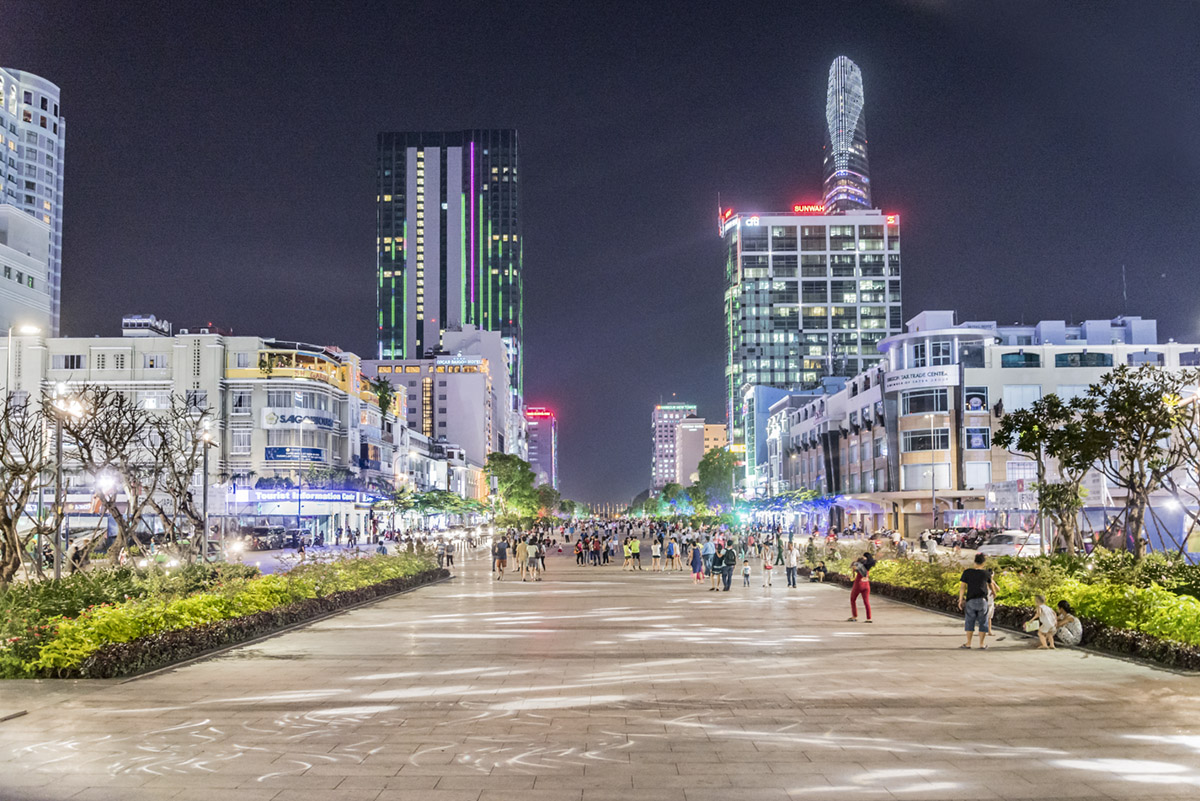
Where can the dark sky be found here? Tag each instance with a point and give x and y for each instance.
(220, 166)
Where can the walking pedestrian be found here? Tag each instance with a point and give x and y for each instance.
(697, 564)
(791, 561)
(730, 562)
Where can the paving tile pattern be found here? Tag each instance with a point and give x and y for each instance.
(598, 685)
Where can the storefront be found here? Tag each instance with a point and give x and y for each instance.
(319, 511)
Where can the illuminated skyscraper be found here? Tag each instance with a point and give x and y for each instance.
(543, 445)
(32, 136)
(663, 422)
(448, 241)
(847, 177)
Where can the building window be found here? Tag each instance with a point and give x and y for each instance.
(239, 441)
(880, 447)
(1083, 359)
(921, 440)
(1191, 359)
(1017, 469)
(154, 361)
(239, 401)
(918, 476)
(1146, 357)
(1019, 396)
(241, 360)
(975, 399)
(119, 361)
(68, 361)
(941, 352)
(918, 355)
(977, 475)
(1020, 359)
(197, 398)
(978, 439)
(924, 401)
(280, 398)
(153, 399)
(1068, 392)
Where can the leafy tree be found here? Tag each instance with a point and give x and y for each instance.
(383, 391)
(668, 498)
(547, 499)
(1133, 416)
(1050, 429)
(699, 499)
(567, 507)
(715, 476)
(514, 483)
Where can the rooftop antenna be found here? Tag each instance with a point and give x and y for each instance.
(1124, 292)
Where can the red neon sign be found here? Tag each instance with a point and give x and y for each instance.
(538, 412)
(892, 219)
(808, 208)
(728, 214)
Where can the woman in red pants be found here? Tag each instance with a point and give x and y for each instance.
(861, 586)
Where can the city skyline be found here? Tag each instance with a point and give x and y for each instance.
(623, 161)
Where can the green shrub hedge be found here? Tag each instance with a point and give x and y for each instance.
(139, 606)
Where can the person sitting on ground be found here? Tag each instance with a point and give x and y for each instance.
(1068, 628)
(818, 573)
(1047, 623)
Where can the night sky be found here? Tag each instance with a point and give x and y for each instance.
(220, 167)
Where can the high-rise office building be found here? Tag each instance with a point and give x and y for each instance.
(663, 421)
(808, 295)
(543, 445)
(847, 178)
(449, 242)
(31, 175)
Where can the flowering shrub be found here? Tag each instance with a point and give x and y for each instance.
(62, 644)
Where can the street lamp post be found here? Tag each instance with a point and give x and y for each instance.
(61, 405)
(932, 477)
(206, 441)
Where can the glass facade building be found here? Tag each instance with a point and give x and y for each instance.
(847, 178)
(806, 297)
(449, 240)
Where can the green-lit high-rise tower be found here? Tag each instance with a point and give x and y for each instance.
(449, 240)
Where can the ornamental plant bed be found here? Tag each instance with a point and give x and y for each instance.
(1096, 634)
(168, 647)
(162, 619)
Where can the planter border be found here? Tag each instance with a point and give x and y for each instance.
(166, 650)
(1098, 638)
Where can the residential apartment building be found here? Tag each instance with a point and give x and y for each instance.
(32, 138)
(24, 269)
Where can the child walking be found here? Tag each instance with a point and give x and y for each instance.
(745, 572)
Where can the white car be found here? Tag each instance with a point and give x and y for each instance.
(1012, 542)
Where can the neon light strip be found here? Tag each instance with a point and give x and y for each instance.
(473, 227)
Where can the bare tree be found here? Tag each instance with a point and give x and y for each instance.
(24, 461)
(114, 441)
(179, 437)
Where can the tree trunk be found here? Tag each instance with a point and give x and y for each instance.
(1135, 522)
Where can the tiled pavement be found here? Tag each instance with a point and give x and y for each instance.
(597, 684)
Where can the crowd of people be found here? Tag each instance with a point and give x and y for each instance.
(712, 555)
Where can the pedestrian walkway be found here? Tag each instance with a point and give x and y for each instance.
(598, 685)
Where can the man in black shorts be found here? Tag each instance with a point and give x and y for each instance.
(501, 551)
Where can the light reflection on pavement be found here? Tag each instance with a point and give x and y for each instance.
(601, 684)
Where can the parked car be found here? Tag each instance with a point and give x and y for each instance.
(1013, 542)
(266, 538)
